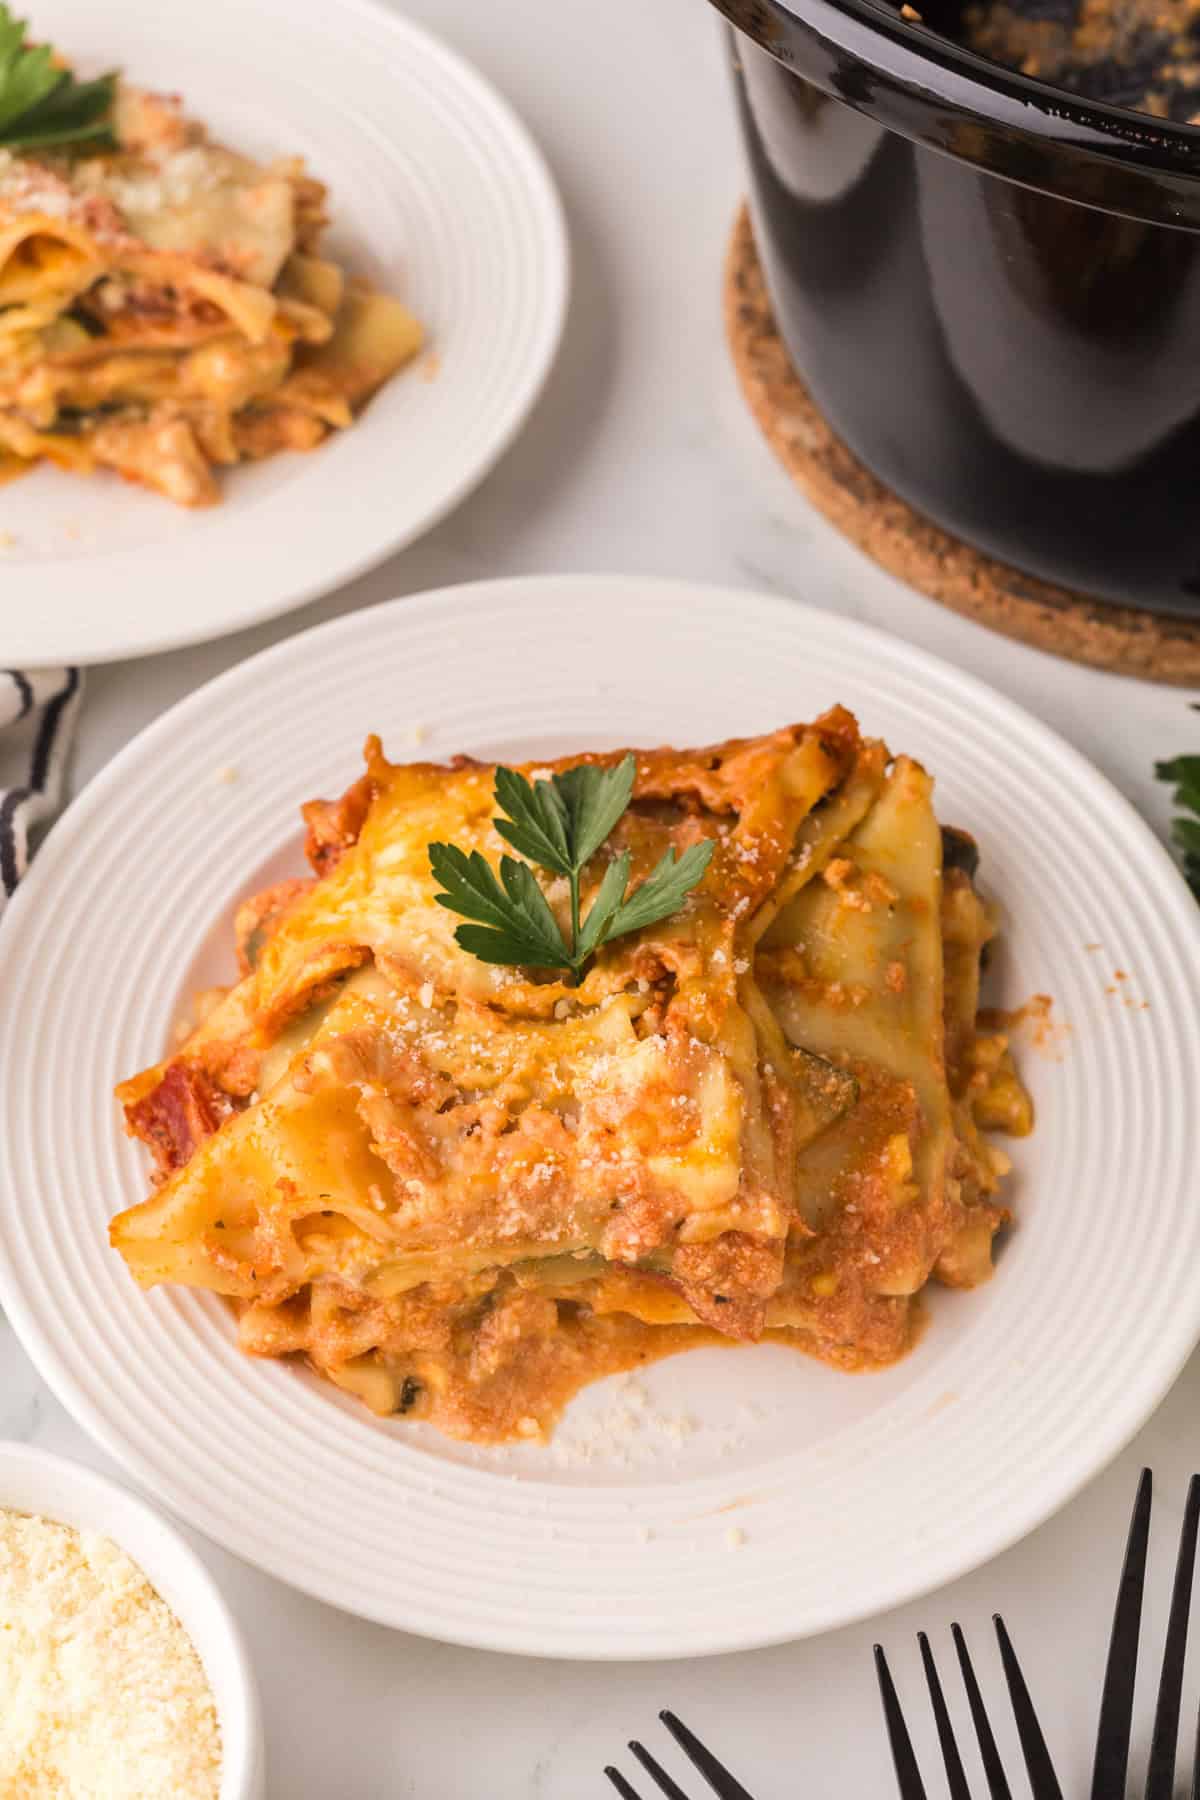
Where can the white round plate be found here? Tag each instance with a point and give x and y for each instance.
(438, 195)
(756, 1495)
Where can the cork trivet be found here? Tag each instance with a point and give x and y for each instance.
(1118, 638)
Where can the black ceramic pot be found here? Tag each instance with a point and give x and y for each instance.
(991, 288)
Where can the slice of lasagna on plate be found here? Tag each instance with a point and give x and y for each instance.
(461, 1190)
(165, 309)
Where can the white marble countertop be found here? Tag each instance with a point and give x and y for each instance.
(641, 458)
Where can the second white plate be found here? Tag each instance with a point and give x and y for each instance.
(755, 1496)
(438, 194)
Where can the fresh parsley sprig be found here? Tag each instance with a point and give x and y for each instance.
(1184, 772)
(42, 106)
(559, 825)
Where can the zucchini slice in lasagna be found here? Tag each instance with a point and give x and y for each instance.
(165, 309)
(462, 1190)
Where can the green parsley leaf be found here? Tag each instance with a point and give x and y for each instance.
(536, 823)
(605, 906)
(663, 891)
(43, 107)
(1180, 768)
(594, 799)
(1184, 773)
(559, 825)
(514, 921)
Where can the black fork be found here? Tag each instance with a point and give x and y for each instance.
(1111, 1769)
(722, 1783)
(1042, 1779)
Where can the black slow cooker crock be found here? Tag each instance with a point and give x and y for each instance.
(991, 287)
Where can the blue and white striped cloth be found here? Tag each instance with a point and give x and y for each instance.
(38, 712)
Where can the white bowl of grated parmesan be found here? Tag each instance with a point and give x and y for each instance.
(122, 1672)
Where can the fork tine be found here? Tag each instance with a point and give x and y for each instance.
(622, 1786)
(1042, 1779)
(956, 1775)
(993, 1768)
(908, 1775)
(716, 1775)
(1160, 1777)
(656, 1772)
(1111, 1766)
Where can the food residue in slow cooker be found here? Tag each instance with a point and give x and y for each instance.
(1143, 54)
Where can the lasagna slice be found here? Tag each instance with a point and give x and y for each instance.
(165, 310)
(461, 1190)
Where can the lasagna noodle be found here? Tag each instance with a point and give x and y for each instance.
(44, 263)
(461, 1190)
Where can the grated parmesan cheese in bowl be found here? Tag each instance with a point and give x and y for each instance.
(105, 1694)
(122, 1673)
